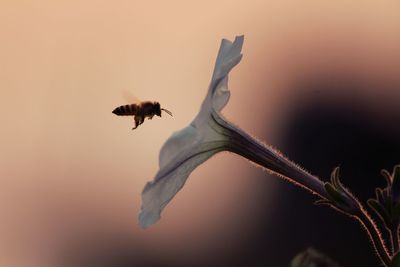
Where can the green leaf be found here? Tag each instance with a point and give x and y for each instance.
(335, 176)
(334, 194)
(396, 183)
(387, 177)
(381, 211)
(322, 202)
(379, 195)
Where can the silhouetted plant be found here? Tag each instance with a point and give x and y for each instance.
(387, 205)
(210, 133)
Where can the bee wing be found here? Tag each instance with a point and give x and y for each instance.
(130, 97)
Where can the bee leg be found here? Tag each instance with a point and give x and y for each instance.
(137, 122)
(151, 117)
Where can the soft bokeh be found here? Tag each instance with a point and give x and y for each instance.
(72, 172)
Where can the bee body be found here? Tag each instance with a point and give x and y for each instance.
(126, 110)
(142, 110)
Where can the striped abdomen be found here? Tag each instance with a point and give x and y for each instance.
(126, 110)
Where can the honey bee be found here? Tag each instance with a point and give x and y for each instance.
(141, 110)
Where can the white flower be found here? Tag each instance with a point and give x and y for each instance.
(188, 148)
(210, 133)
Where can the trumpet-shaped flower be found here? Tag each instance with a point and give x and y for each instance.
(208, 134)
(188, 148)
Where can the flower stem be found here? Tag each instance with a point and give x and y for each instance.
(375, 236)
(243, 144)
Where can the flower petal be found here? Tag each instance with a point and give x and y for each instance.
(183, 140)
(229, 56)
(180, 155)
(188, 148)
(158, 193)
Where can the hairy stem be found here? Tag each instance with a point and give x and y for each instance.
(373, 232)
(243, 144)
(281, 166)
(255, 151)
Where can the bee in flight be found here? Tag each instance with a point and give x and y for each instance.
(141, 110)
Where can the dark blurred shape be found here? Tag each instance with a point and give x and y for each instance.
(322, 132)
(312, 258)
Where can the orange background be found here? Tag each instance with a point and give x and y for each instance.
(72, 172)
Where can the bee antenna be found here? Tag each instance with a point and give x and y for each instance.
(167, 111)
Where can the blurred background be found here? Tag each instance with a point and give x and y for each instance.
(319, 81)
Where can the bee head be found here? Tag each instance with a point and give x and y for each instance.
(157, 109)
